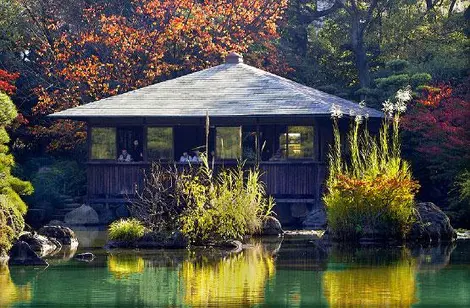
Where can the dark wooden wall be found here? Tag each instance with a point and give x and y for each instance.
(283, 179)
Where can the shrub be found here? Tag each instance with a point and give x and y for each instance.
(203, 206)
(373, 191)
(158, 205)
(227, 206)
(126, 230)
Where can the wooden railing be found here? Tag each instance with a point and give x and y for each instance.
(282, 178)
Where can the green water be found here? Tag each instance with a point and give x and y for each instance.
(270, 273)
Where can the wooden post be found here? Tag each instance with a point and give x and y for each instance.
(144, 142)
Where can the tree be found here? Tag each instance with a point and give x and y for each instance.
(113, 49)
(355, 38)
(12, 208)
(437, 137)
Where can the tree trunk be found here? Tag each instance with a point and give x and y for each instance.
(357, 44)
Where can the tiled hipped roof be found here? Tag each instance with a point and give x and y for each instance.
(230, 89)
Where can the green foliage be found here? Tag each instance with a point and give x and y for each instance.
(460, 202)
(126, 230)
(397, 65)
(12, 207)
(227, 206)
(203, 206)
(420, 79)
(54, 180)
(373, 191)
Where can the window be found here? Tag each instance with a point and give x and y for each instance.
(249, 142)
(103, 143)
(160, 143)
(130, 139)
(228, 142)
(297, 143)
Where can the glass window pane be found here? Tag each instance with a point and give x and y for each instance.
(300, 142)
(103, 143)
(249, 142)
(160, 143)
(228, 142)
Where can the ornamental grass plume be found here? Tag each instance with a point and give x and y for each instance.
(373, 190)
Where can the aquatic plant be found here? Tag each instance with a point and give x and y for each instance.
(126, 230)
(372, 192)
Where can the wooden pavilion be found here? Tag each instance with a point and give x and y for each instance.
(254, 115)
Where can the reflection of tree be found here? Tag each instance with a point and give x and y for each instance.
(239, 278)
(9, 292)
(123, 265)
(390, 284)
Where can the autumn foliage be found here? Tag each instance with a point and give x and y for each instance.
(116, 50)
(438, 129)
(7, 82)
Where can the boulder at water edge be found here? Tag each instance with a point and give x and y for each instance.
(84, 215)
(271, 226)
(316, 220)
(86, 257)
(22, 254)
(432, 225)
(64, 235)
(42, 245)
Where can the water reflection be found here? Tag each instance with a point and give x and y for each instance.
(265, 274)
(10, 292)
(373, 279)
(123, 265)
(238, 278)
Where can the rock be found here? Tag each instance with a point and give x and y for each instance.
(22, 254)
(39, 243)
(299, 210)
(432, 225)
(271, 226)
(232, 245)
(55, 222)
(316, 220)
(153, 240)
(84, 215)
(62, 234)
(86, 257)
(463, 235)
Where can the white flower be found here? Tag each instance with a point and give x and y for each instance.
(336, 111)
(366, 115)
(388, 107)
(404, 95)
(362, 104)
(359, 118)
(351, 113)
(400, 106)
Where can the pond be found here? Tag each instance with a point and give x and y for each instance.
(294, 272)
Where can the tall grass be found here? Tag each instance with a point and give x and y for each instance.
(126, 230)
(228, 205)
(372, 192)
